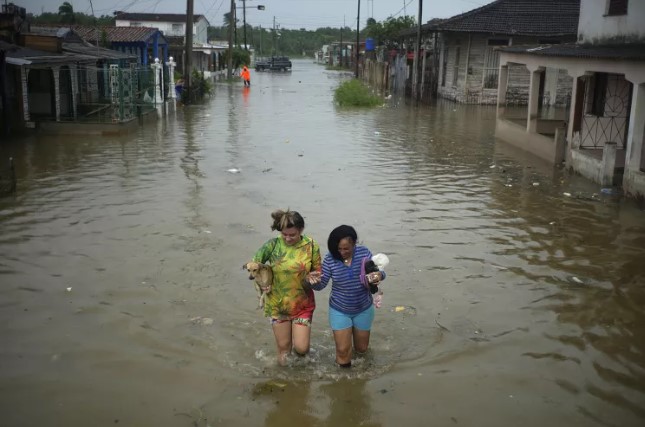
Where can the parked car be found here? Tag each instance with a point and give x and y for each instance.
(273, 63)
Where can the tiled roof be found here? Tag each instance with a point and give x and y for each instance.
(516, 17)
(634, 52)
(118, 34)
(156, 17)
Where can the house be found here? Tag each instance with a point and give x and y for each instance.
(601, 135)
(468, 61)
(204, 56)
(54, 80)
(145, 43)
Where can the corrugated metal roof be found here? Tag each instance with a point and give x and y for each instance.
(156, 17)
(635, 52)
(119, 34)
(516, 17)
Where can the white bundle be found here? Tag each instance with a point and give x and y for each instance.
(381, 261)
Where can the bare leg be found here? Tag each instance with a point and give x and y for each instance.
(301, 338)
(361, 340)
(343, 339)
(282, 332)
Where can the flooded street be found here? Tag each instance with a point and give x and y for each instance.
(515, 291)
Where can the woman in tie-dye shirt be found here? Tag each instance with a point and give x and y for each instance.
(290, 304)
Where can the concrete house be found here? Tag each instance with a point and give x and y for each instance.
(468, 61)
(52, 76)
(143, 42)
(173, 26)
(601, 135)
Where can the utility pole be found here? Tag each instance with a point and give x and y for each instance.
(358, 34)
(244, 22)
(188, 63)
(419, 62)
(274, 38)
(229, 67)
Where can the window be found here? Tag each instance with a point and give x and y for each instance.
(135, 24)
(176, 28)
(617, 7)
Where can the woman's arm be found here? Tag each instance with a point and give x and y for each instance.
(323, 280)
(263, 254)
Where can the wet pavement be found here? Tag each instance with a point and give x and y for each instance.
(515, 291)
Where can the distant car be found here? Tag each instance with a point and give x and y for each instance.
(273, 63)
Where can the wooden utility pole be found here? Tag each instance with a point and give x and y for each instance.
(244, 22)
(188, 63)
(418, 58)
(229, 69)
(358, 33)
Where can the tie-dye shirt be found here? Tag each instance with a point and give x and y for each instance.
(290, 264)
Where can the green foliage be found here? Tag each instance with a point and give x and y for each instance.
(241, 57)
(387, 32)
(199, 87)
(66, 13)
(79, 19)
(293, 43)
(353, 93)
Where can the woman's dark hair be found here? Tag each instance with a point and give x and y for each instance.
(338, 234)
(288, 219)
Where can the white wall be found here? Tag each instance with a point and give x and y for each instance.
(594, 27)
(176, 29)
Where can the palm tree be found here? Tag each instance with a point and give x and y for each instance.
(66, 13)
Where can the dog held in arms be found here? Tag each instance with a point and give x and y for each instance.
(263, 276)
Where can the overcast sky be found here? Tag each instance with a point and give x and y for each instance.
(292, 14)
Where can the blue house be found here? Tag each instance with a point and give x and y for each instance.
(144, 42)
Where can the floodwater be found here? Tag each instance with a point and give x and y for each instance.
(515, 291)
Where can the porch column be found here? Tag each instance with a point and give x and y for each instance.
(24, 75)
(534, 95)
(56, 71)
(636, 131)
(502, 86)
(157, 92)
(74, 78)
(155, 46)
(171, 78)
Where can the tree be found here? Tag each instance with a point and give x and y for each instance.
(66, 13)
(387, 32)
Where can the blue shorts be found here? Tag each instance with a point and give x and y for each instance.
(361, 321)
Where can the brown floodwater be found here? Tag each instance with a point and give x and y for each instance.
(515, 290)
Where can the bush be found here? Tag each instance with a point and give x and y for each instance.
(353, 93)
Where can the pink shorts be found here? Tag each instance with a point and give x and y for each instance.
(303, 317)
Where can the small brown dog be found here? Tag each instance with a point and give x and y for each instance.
(263, 276)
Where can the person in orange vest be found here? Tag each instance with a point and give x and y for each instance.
(246, 76)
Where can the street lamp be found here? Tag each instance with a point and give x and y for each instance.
(259, 7)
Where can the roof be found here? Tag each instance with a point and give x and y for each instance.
(634, 52)
(18, 55)
(119, 34)
(516, 17)
(156, 17)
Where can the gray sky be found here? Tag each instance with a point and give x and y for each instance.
(292, 14)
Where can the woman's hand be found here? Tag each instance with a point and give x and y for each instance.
(313, 277)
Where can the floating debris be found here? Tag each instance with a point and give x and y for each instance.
(567, 194)
(233, 170)
(575, 279)
(536, 184)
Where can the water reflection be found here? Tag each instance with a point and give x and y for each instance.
(339, 404)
